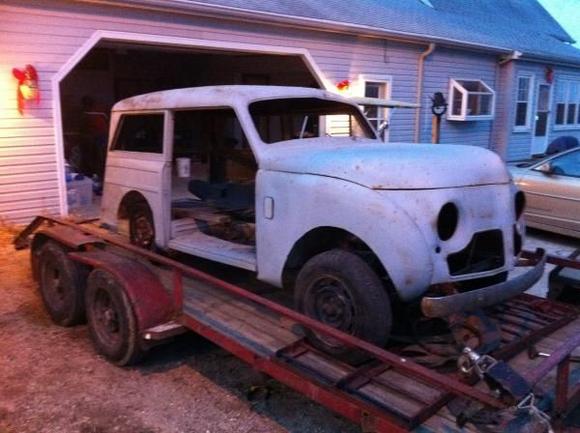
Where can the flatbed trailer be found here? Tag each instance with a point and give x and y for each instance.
(389, 393)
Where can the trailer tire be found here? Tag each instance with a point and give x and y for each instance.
(141, 225)
(61, 284)
(111, 318)
(340, 289)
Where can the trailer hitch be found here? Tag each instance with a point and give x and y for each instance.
(505, 382)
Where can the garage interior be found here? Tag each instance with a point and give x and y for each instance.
(113, 71)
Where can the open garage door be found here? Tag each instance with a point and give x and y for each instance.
(111, 70)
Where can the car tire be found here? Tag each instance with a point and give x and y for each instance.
(61, 284)
(111, 319)
(340, 289)
(141, 226)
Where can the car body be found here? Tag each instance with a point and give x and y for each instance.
(324, 192)
(552, 188)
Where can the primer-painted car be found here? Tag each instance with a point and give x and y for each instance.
(552, 188)
(350, 223)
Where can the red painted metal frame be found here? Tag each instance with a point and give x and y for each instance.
(398, 363)
(339, 402)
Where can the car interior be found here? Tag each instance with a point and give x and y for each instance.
(213, 183)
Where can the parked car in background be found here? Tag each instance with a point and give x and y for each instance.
(552, 188)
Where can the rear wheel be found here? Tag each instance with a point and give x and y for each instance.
(340, 289)
(62, 285)
(141, 226)
(112, 323)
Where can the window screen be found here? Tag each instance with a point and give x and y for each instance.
(140, 133)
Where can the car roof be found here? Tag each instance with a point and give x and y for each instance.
(218, 96)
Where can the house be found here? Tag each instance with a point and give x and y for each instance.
(507, 70)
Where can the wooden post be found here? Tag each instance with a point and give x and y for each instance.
(435, 129)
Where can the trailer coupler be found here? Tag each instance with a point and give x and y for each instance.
(506, 383)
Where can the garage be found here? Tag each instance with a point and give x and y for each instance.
(112, 70)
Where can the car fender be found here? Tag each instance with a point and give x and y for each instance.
(302, 202)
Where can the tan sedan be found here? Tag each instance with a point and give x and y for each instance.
(552, 188)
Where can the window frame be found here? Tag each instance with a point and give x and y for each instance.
(455, 85)
(147, 155)
(387, 80)
(565, 126)
(527, 127)
(556, 157)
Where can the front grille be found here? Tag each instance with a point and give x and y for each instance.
(483, 253)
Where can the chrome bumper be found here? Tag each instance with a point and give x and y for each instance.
(468, 301)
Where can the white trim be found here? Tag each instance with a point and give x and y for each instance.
(455, 85)
(160, 40)
(548, 119)
(567, 102)
(383, 79)
(529, 113)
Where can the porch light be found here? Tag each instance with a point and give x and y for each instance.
(27, 89)
(343, 86)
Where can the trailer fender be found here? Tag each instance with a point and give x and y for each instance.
(67, 236)
(149, 298)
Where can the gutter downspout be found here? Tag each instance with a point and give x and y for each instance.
(420, 76)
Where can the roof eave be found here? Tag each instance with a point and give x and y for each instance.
(203, 9)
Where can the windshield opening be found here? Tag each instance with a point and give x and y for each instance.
(300, 118)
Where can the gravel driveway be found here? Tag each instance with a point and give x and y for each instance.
(51, 380)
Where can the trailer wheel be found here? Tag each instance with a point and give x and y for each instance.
(340, 289)
(141, 226)
(62, 285)
(112, 323)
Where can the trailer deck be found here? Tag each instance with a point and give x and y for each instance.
(389, 393)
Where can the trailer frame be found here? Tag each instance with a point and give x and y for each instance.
(91, 246)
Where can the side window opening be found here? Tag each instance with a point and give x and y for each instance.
(140, 133)
(213, 181)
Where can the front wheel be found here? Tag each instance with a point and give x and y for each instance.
(339, 289)
(112, 323)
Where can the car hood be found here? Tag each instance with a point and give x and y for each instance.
(381, 166)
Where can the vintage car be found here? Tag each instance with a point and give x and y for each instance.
(293, 184)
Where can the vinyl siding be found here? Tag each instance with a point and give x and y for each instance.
(520, 142)
(28, 167)
(442, 66)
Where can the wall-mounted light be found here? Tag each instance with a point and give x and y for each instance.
(27, 89)
(343, 86)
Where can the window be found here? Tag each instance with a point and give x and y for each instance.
(299, 118)
(215, 143)
(523, 105)
(568, 104)
(140, 133)
(470, 100)
(567, 164)
(376, 115)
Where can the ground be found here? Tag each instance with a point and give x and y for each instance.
(51, 380)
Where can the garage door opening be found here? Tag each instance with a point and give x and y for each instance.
(112, 71)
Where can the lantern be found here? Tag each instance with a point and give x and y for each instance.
(27, 89)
